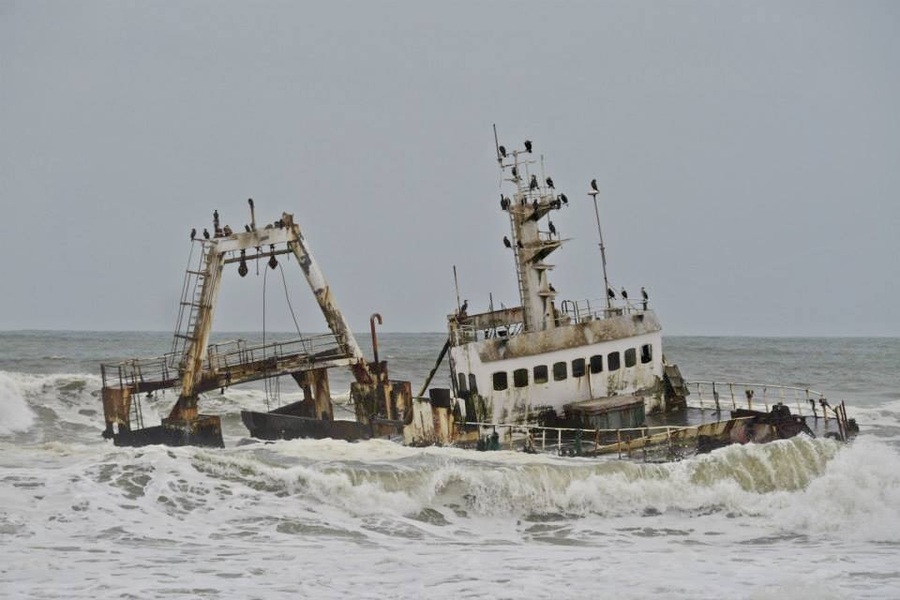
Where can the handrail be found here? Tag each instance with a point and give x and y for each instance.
(594, 309)
(670, 433)
(220, 356)
(803, 401)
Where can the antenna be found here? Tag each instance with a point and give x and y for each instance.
(456, 285)
(593, 193)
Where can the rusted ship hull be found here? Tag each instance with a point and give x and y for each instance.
(282, 425)
(270, 426)
(204, 431)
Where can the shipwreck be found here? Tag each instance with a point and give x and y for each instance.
(581, 377)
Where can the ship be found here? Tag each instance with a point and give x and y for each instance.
(576, 377)
(591, 373)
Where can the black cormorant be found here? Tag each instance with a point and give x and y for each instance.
(206, 233)
(506, 242)
(594, 185)
(193, 234)
(528, 146)
(563, 199)
(502, 151)
(550, 183)
(610, 293)
(534, 184)
(552, 227)
(624, 294)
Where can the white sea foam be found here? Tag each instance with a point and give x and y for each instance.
(14, 412)
(82, 519)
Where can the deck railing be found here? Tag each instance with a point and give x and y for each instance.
(561, 439)
(164, 371)
(579, 311)
(718, 395)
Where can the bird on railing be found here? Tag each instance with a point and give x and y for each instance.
(611, 293)
(624, 294)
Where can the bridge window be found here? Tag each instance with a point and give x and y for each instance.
(520, 378)
(578, 367)
(646, 353)
(597, 363)
(630, 357)
(473, 383)
(540, 374)
(560, 371)
(500, 382)
(613, 361)
(461, 379)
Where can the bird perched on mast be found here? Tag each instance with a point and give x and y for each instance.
(624, 294)
(594, 186)
(549, 183)
(193, 233)
(611, 293)
(528, 146)
(206, 233)
(534, 184)
(645, 296)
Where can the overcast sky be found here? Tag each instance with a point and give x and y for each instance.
(748, 155)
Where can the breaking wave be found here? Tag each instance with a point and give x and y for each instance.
(15, 415)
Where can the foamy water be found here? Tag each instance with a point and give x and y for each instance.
(80, 518)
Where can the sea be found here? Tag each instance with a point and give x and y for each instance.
(801, 518)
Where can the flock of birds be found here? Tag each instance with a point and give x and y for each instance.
(558, 202)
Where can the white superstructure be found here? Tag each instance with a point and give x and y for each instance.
(516, 365)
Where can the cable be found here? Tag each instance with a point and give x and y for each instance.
(288, 298)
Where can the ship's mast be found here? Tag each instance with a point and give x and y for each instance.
(530, 202)
(606, 289)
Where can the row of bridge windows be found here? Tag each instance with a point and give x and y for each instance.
(560, 370)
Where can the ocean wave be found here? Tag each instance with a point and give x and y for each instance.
(55, 403)
(15, 416)
(380, 478)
